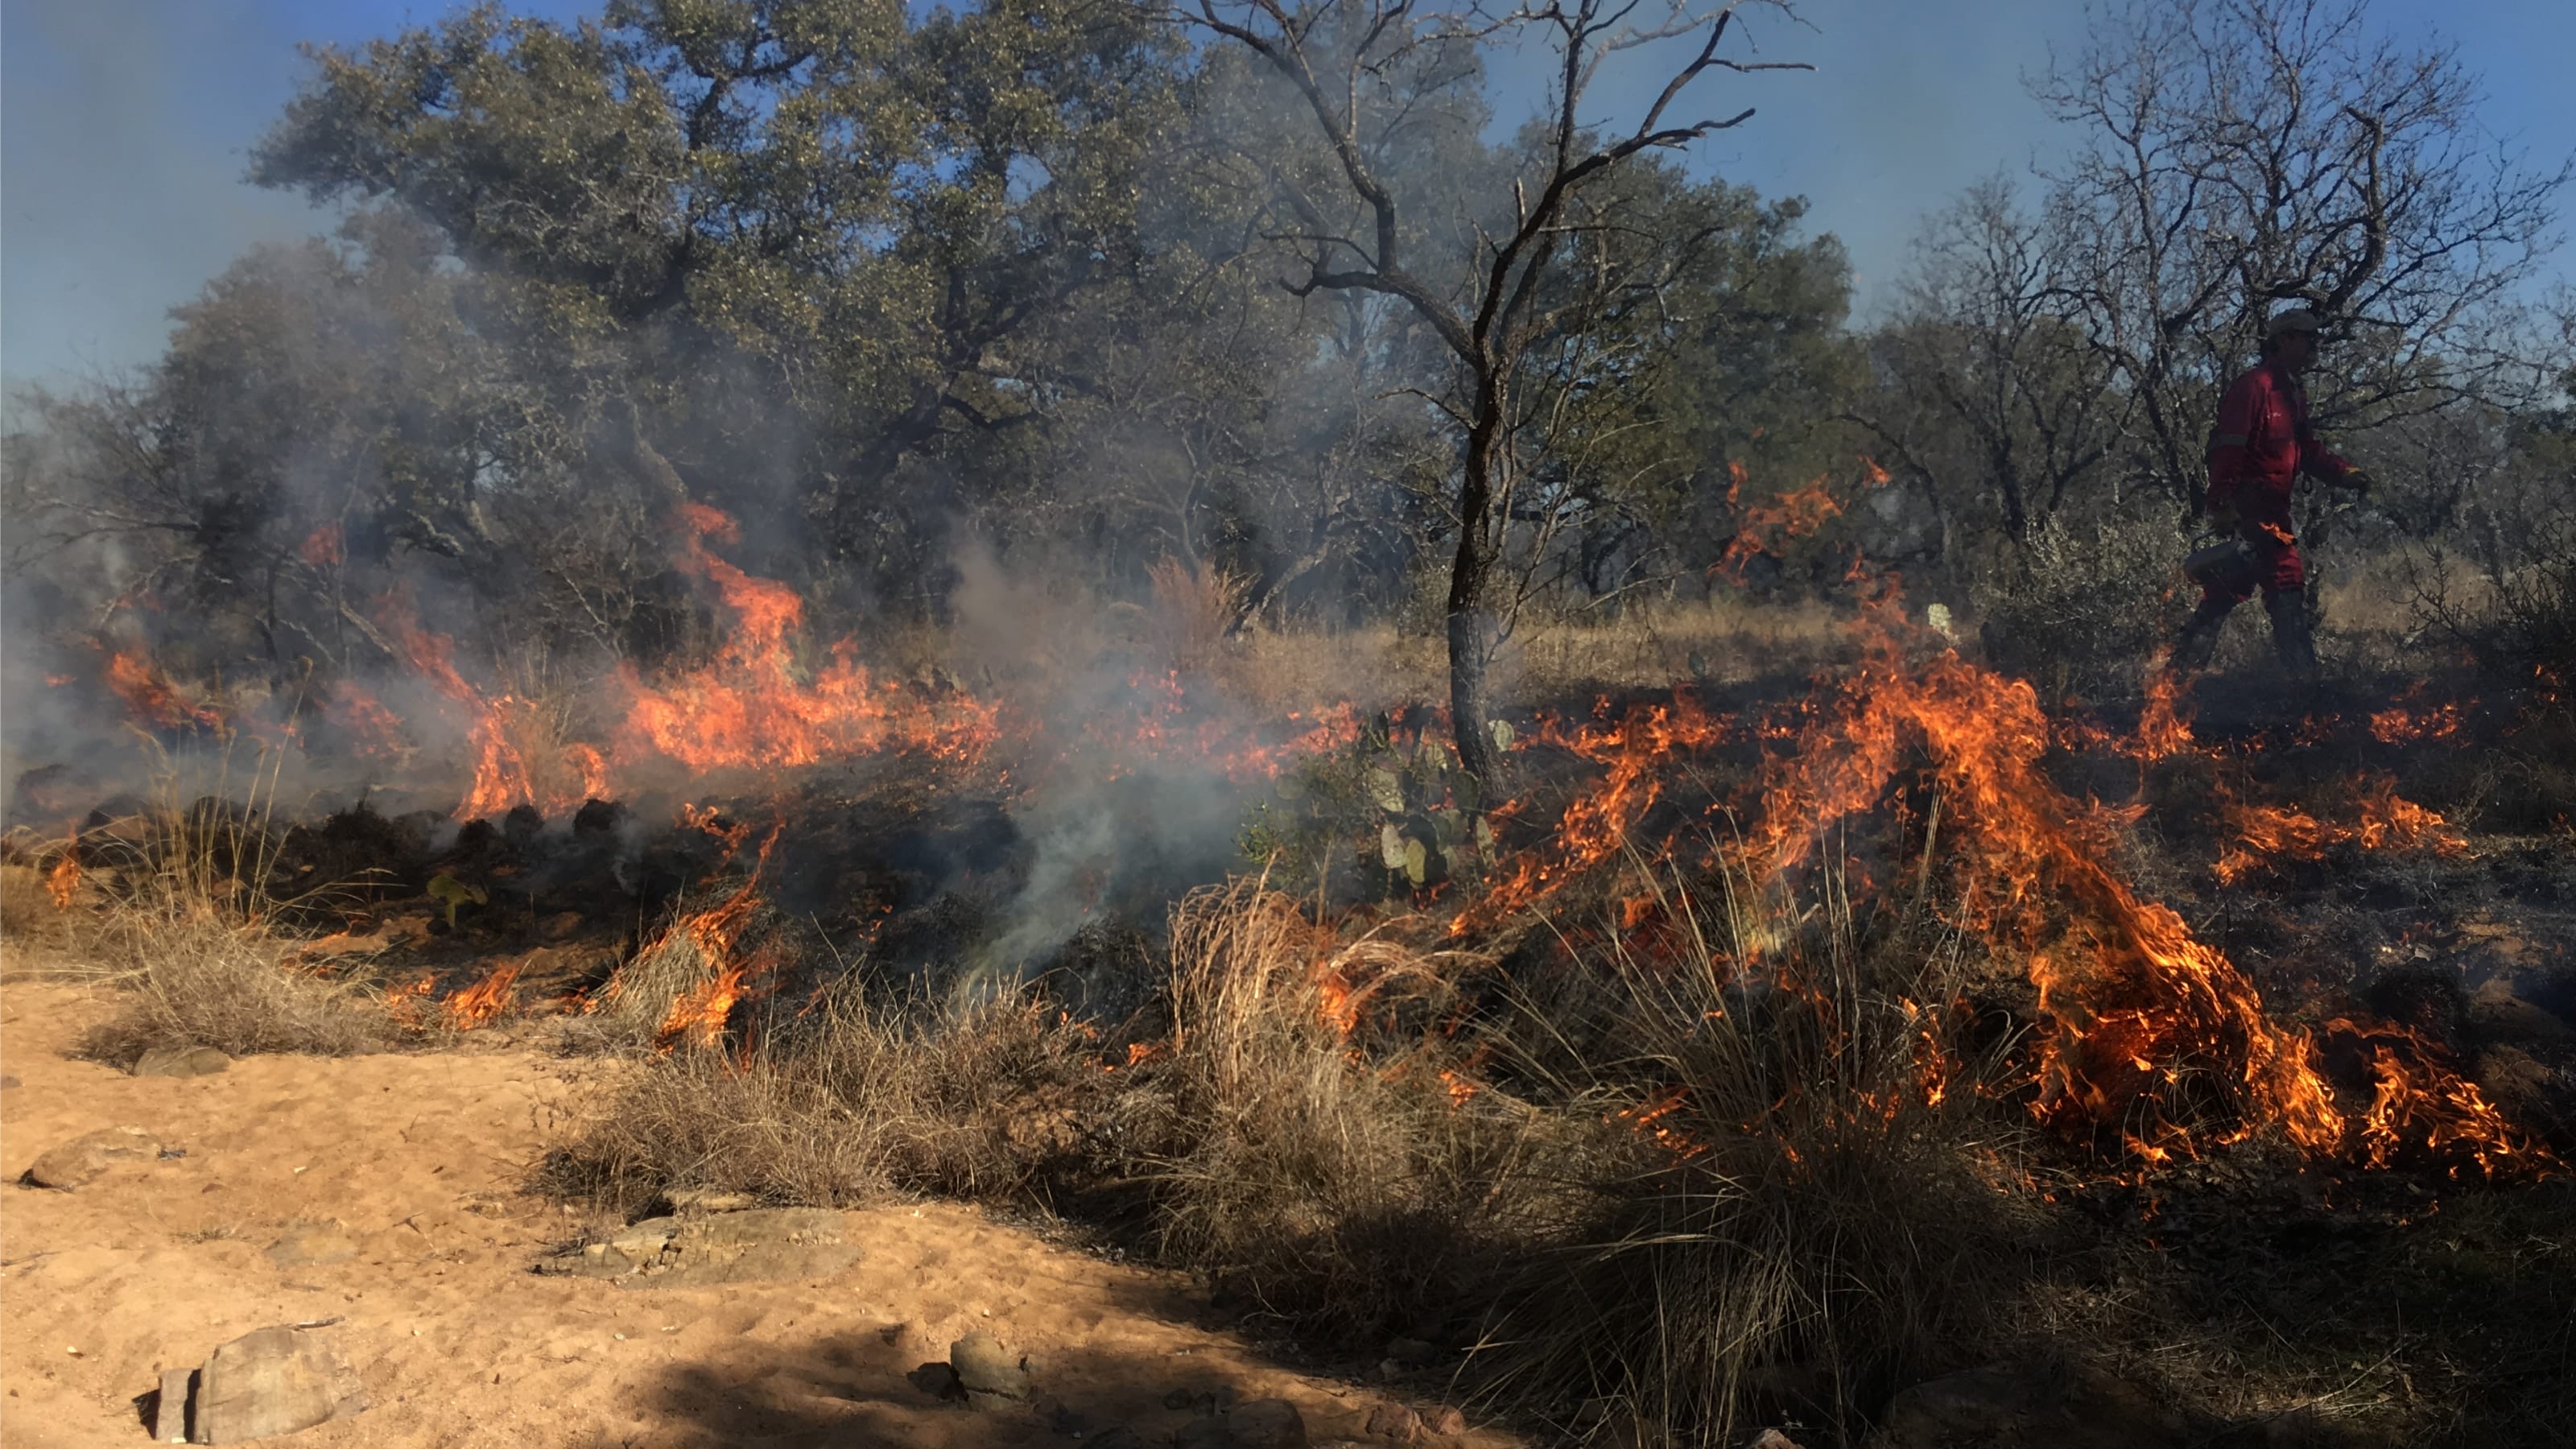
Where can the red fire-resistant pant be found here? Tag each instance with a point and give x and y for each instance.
(2278, 567)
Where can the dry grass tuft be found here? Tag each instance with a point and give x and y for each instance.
(1195, 609)
(1795, 1225)
(1356, 1192)
(857, 1099)
(195, 976)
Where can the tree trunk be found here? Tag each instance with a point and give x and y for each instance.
(1469, 624)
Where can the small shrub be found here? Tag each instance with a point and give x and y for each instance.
(2081, 612)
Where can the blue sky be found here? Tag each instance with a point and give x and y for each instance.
(125, 126)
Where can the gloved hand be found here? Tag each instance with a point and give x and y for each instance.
(2358, 480)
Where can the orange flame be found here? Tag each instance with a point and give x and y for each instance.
(755, 704)
(1637, 749)
(322, 547)
(500, 779)
(150, 697)
(62, 883)
(485, 999)
(373, 730)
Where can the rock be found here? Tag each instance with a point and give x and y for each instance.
(82, 1160)
(170, 1411)
(2032, 1405)
(993, 1376)
(309, 1244)
(181, 1061)
(275, 1381)
(1394, 1421)
(759, 1245)
(1266, 1424)
(1773, 1438)
(1445, 1420)
(8, 1083)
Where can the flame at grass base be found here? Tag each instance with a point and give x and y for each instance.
(2146, 1030)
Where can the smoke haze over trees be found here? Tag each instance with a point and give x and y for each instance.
(1087, 285)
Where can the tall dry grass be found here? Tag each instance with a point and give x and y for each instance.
(1732, 1195)
(176, 915)
(1195, 608)
(1811, 1207)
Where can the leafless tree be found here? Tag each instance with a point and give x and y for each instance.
(1990, 385)
(2249, 154)
(1349, 61)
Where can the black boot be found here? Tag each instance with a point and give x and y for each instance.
(2291, 640)
(2199, 637)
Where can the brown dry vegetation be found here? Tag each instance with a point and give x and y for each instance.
(1645, 1204)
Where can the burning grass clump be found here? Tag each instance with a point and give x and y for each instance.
(1352, 1179)
(1812, 1204)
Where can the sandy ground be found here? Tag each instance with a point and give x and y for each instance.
(422, 1157)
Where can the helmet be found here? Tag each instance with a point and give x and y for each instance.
(2297, 319)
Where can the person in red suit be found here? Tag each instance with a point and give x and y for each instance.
(2261, 446)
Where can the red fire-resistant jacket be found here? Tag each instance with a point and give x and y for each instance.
(2262, 444)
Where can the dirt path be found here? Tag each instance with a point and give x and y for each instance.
(421, 1158)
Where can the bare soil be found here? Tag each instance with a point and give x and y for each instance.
(422, 1158)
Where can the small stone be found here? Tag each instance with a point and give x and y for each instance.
(986, 1368)
(275, 1381)
(8, 1083)
(1394, 1421)
(1773, 1438)
(181, 1061)
(1445, 1420)
(170, 1413)
(85, 1158)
